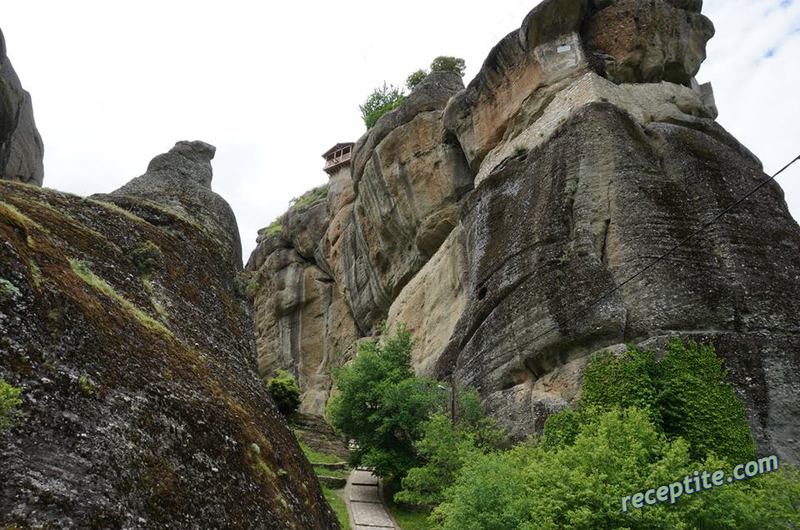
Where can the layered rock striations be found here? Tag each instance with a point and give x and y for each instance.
(583, 150)
(329, 272)
(124, 325)
(21, 149)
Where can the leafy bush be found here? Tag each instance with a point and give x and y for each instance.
(147, 257)
(415, 79)
(8, 290)
(9, 401)
(284, 391)
(686, 395)
(310, 197)
(383, 407)
(273, 229)
(697, 403)
(445, 447)
(382, 100)
(615, 454)
(445, 63)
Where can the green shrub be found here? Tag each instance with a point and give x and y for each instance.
(621, 381)
(697, 403)
(445, 63)
(415, 79)
(383, 407)
(9, 401)
(382, 100)
(8, 290)
(284, 391)
(686, 394)
(310, 197)
(273, 229)
(580, 486)
(147, 257)
(561, 429)
(446, 445)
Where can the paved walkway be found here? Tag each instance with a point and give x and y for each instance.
(365, 503)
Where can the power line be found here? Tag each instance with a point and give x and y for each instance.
(665, 254)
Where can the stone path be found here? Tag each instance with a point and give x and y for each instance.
(365, 503)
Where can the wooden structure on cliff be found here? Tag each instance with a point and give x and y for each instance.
(338, 156)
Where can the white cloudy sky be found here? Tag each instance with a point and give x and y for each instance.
(274, 84)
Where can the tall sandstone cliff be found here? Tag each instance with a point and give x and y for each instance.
(122, 321)
(490, 218)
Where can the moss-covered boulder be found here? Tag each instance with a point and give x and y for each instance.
(140, 403)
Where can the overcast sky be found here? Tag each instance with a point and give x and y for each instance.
(274, 84)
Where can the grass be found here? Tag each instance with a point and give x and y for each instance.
(318, 458)
(274, 228)
(335, 473)
(409, 519)
(118, 209)
(310, 197)
(11, 212)
(99, 284)
(338, 505)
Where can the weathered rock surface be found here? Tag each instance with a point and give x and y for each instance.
(594, 150)
(407, 193)
(142, 408)
(21, 149)
(649, 41)
(303, 323)
(551, 231)
(432, 303)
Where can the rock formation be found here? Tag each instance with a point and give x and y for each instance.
(21, 149)
(492, 219)
(128, 334)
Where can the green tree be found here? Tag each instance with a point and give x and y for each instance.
(415, 79)
(382, 100)
(616, 453)
(445, 447)
(382, 406)
(284, 391)
(445, 63)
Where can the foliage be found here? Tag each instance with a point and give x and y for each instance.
(562, 428)
(409, 517)
(616, 454)
(415, 79)
(315, 457)
(686, 395)
(445, 63)
(382, 406)
(338, 505)
(147, 257)
(445, 447)
(9, 401)
(621, 381)
(284, 391)
(8, 290)
(310, 197)
(273, 229)
(698, 404)
(87, 387)
(382, 100)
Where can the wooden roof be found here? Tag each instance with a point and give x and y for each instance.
(336, 147)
